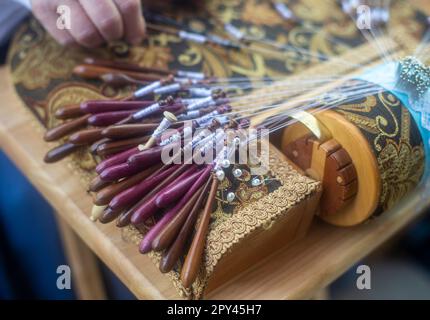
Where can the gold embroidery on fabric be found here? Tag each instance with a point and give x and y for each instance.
(382, 122)
(401, 168)
(365, 106)
(400, 164)
(152, 56)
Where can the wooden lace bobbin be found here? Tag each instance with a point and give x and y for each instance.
(349, 197)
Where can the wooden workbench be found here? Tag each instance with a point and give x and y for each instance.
(297, 272)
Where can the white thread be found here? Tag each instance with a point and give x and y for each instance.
(235, 32)
(146, 112)
(164, 125)
(284, 11)
(191, 74)
(147, 89)
(194, 37)
(200, 92)
(168, 89)
(204, 119)
(203, 103)
(189, 115)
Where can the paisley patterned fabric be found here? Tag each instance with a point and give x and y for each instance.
(40, 66)
(395, 140)
(42, 74)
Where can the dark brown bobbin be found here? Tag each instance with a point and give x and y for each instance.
(69, 111)
(66, 128)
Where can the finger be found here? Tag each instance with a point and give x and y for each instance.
(106, 17)
(46, 13)
(82, 29)
(134, 24)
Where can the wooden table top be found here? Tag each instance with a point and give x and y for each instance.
(295, 273)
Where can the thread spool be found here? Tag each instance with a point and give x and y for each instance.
(168, 119)
(383, 141)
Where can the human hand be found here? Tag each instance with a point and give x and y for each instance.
(93, 22)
